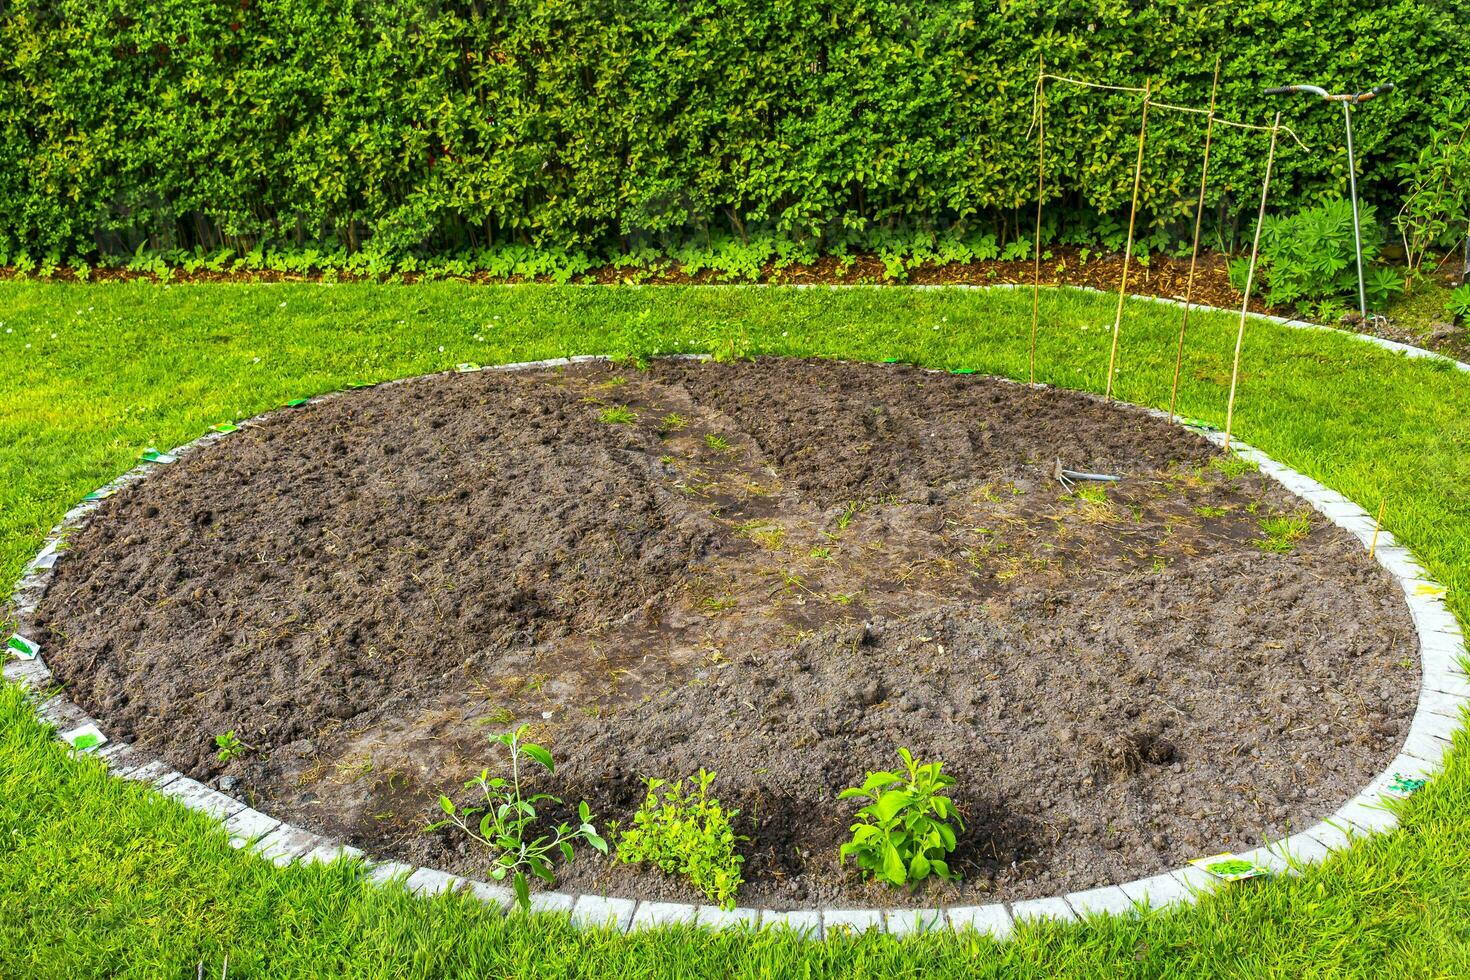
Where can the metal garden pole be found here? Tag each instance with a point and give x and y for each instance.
(1348, 100)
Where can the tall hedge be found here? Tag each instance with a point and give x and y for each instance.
(605, 124)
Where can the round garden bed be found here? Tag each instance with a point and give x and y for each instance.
(780, 571)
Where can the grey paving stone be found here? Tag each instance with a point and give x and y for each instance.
(285, 844)
(1160, 891)
(651, 915)
(60, 712)
(247, 825)
(331, 852)
(850, 922)
(1036, 909)
(804, 922)
(548, 901)
(1422, 745)
(1285, 856)
(387, 872)
(909, 922)
(429, 882)
(991, 919)
(598, 912)
(1447, 705)
(1396, 558)
(31, 673)
(196, 796)
(1438, 725)
(718, 919)
(1109, 900)
(144, 770)
(496, 896)
(1367, 812)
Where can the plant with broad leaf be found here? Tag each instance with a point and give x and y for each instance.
(687, 833)
(908, 829)
(507, 820)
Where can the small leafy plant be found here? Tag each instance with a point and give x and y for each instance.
(689, 834)
(508, 817)
(229, 746)
(1458, 305)
(906, 832)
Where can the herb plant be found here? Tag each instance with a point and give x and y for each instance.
(507, 820)
(689, 834)
(1458, 304)
(908, 829)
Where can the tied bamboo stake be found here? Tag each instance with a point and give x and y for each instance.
(1199, 215)
(1377, 526)
(1040, 171)
(1128, 250)
(1250, 277)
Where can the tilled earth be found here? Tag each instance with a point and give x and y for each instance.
(781, 571)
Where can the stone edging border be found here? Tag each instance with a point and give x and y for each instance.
(1444, 691)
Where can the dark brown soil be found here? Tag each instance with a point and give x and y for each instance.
(781, 571)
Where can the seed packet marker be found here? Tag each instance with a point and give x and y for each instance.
(84, 738)
(466, 367)
(1228, 867)
(297, 402)
(362, 384)
(102, 494)
(21, 648)
(224, 427)
(151, 455)
(1406, 785)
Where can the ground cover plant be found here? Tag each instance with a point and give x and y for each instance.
(81, 404)
(687, 833)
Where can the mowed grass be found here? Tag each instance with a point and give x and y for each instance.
(100, 878)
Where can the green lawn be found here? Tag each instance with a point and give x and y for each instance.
(100, 878)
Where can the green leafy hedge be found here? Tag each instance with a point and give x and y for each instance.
(425, 128)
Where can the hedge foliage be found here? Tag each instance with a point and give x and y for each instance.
(426, 127)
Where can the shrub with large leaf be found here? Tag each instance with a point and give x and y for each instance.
(907, 831)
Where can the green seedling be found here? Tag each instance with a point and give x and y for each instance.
(672, 422)
(1204, 510)
(507, 820)
(716, 443)
(229, 746)
(908, 829)
(1283, 532)
(821, 554)
(618, 415)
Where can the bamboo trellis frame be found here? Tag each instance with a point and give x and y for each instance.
(1038, 118)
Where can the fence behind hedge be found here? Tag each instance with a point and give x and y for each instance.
(431, 127)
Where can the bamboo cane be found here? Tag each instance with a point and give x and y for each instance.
(1199, 214)
(1250, 277)
(1128, 249)
(1040, 171)
(1377, 526)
